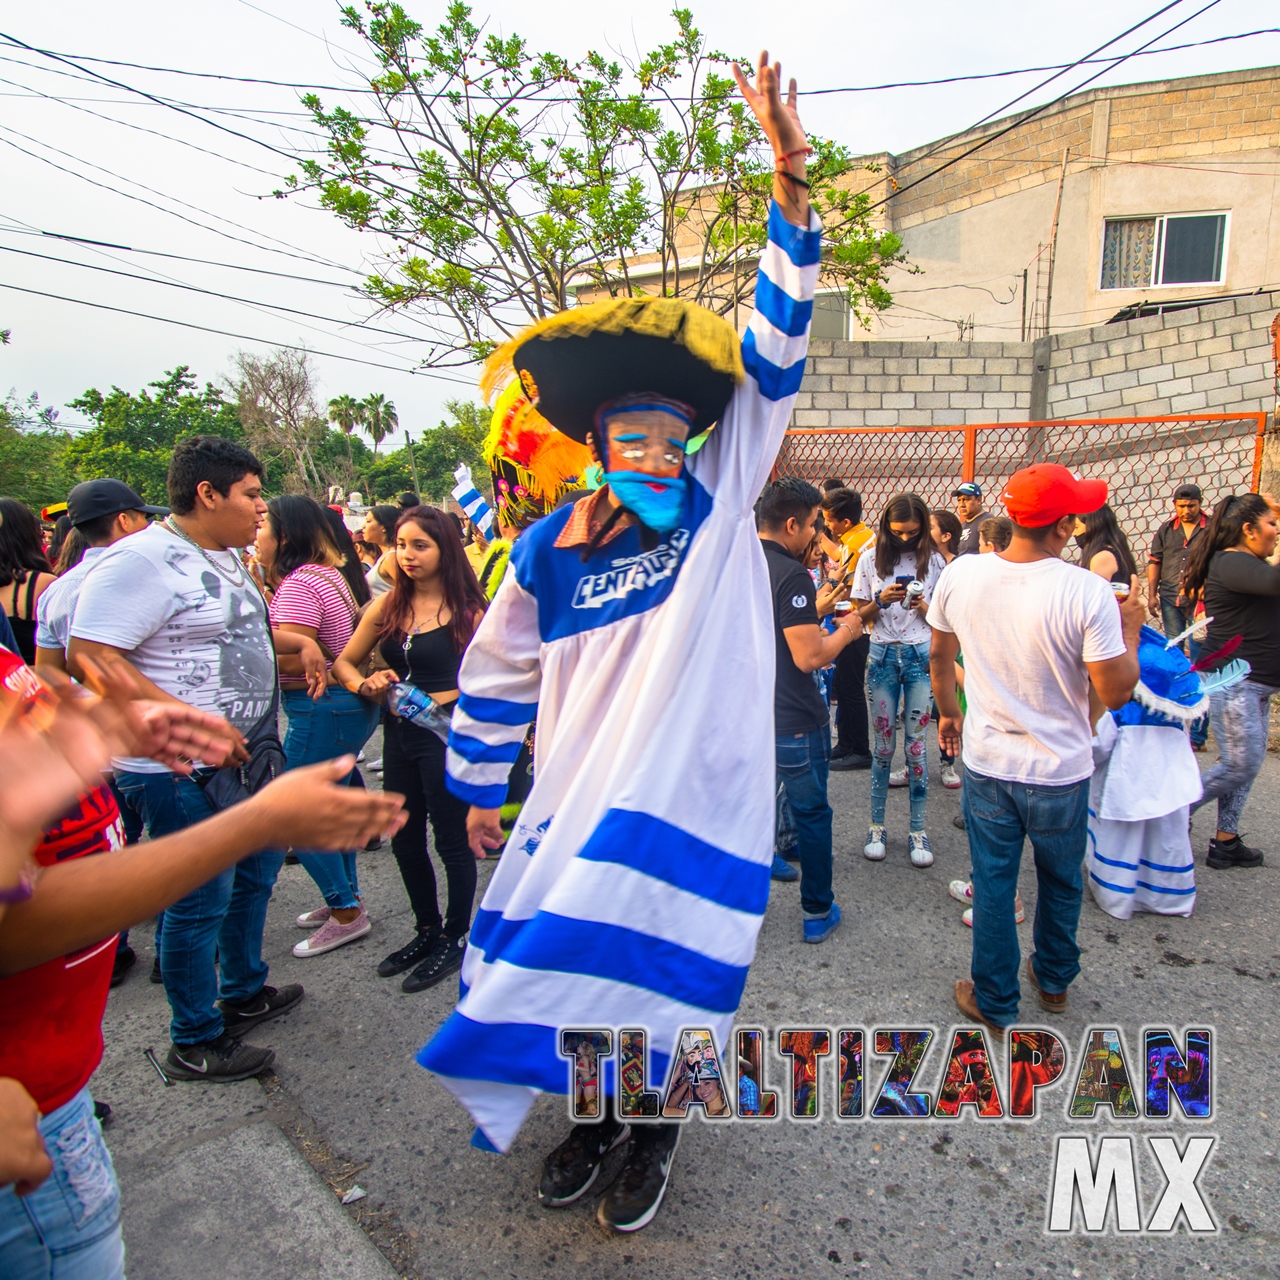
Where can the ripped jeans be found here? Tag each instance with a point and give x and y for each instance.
(1240, 717)
(899, 672)
(68, 1228)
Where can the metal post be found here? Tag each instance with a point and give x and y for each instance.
(413, 462)
(1023, 336)
(1053, 240)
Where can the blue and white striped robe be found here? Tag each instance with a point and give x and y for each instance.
(632, 890)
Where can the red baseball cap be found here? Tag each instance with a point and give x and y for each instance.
(1043, 494)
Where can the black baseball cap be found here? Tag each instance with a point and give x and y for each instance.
(1188, 491)
(94, 498)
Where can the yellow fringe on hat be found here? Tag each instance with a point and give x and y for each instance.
(705, 335)
(545, 459)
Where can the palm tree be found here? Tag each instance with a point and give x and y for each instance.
(379, 419)
(345, 414)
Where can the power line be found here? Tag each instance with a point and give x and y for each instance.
(861, 88)
(212, 293)
(226, 333)
(117, 84)
(160, 208)
(177, 257)
(1035, 111)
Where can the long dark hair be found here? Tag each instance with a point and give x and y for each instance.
(462, 592)
(949, 524)
(61, 531)
(350, 568)
(903, 507)
(1102, 532)
(74, 545)
(21, 546)
(1226, 528)
(387, 516)
(302, 534)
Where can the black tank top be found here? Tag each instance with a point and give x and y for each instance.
(426, 659)
(24, 629)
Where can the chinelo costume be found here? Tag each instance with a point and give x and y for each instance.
(633, 888)
(1144, 783)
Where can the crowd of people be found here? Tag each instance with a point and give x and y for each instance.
(535, 691)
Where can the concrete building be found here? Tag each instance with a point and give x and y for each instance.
(1170, 192)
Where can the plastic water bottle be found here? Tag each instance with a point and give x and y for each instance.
(417, 708)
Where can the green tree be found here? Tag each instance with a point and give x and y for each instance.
(441, 448)
(33, 453)
(133, 435)
(346, 413)
(503, 181)
(379, 418)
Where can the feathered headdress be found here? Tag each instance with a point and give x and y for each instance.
(531, 463)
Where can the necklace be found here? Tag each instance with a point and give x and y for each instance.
(409, 635)
(236, 580)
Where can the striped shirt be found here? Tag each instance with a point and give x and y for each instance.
(315, 596)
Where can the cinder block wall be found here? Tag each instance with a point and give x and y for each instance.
(1211, 359)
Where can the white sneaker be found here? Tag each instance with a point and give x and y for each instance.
(918, 847)
(375, 766)
(961, 891)
(898, 778)
(360, 756)
(874, 848)
(950, 778)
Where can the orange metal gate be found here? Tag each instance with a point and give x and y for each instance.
(1142, 459)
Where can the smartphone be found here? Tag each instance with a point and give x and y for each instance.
(903, 579)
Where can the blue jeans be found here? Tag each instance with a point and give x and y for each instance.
(899, 673)
(998, 817)
(803, 760)
(340, 723)
(226, 915)
(1175, 621)
(68, 1228)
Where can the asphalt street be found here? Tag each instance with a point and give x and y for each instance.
(211, 1190)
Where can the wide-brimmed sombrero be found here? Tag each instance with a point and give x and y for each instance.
(572, 363)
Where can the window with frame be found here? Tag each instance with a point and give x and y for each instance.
(830, 317)
(1184, 248)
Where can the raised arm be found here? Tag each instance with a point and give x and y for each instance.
(738, 455)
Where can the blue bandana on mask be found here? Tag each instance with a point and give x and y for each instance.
(659, 509)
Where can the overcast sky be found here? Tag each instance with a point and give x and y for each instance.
(59, 348)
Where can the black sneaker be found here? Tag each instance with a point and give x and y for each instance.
(374, 845)
(126, 958)
(958, 821)
(269, 1003)
(445, 958)
(570, 1170)
(221, 1060)
(102, 1113)
(1232, 853)
(424, 942)
(853, 760)
(634, 1198)
(156, 976)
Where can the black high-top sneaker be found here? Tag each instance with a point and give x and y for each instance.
(1232, 853)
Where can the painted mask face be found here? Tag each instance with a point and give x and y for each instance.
(644, 451)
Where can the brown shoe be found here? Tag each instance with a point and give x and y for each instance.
(1055, 1002)
(968, 1004)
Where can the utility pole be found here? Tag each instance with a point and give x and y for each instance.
(1023, 336)
(413, 462)
(1053, 239)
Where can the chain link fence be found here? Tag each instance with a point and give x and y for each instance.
(1141, 459)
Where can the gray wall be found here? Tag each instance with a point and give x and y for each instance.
(1211, 359)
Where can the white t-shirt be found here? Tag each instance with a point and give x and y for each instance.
(199, 634)
(1026, 631)
(58, 603)
(896, 622)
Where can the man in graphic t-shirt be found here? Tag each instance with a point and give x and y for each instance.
(177, 603)
(1036, 633)
(787, 514)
